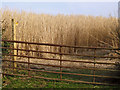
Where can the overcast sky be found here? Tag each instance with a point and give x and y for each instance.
(54, 8)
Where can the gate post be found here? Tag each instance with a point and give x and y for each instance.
(14, 44)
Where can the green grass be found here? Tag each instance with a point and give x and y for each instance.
(19, 82)
(23, 82)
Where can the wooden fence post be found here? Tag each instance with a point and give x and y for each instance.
(14, 44)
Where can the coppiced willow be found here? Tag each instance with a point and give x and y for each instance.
(76, 30)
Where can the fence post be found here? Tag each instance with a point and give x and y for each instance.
(94, 65)
(14, 44)
(60, 62)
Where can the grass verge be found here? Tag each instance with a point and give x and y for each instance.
(23, 82)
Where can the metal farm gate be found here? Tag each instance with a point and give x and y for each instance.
(89, 65)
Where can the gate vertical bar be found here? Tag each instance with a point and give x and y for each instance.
(94, 65)
(28, 60)
(60, 62)
(17, 49)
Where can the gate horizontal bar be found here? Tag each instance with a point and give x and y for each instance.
(85, 82)
(96, 56)
(64, 73)
(57, 45)
(63, 66)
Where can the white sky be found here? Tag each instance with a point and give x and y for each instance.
(106, 8)
(59, 0)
